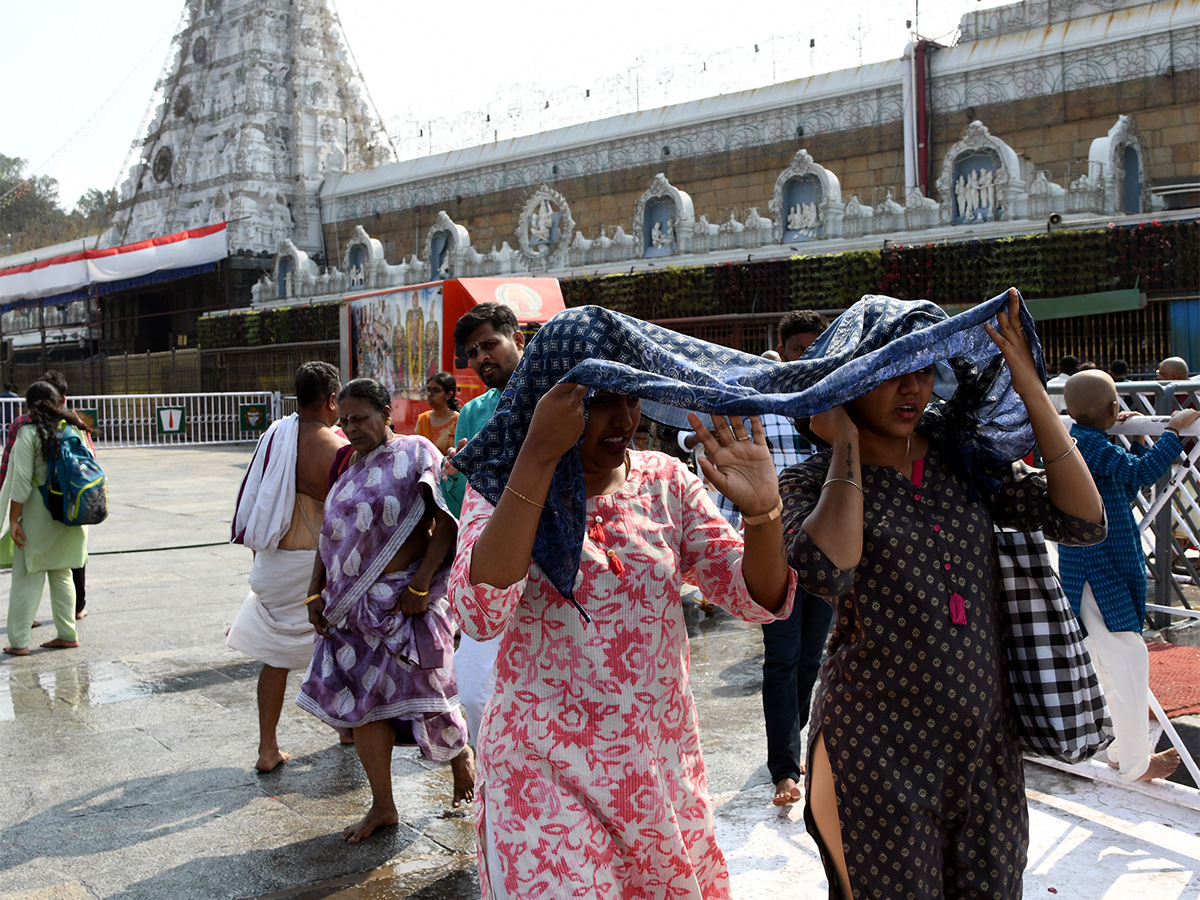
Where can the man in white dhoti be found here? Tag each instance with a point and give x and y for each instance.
(280, 508)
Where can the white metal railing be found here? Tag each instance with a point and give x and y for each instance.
(151, 420)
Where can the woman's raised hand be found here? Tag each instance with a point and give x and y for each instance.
(557, 421)
(1010, 337)
(833, 425)
(738, 463)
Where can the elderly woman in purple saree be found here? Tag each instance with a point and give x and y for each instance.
(382, 666)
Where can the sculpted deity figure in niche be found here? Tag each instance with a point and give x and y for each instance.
(289, 284)
(662, 238)
(960, 194)
(973, 191)
(357, 276)
(803, 217)
(443, 269)
(987, 190)
(541, 223)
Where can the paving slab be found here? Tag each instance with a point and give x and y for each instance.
(128, 762)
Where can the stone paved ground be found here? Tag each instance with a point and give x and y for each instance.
(127, 762)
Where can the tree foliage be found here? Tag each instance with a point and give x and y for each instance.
(30, 214)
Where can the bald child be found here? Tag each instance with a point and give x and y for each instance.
(1106, 582)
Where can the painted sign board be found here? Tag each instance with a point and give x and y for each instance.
(252, 416)
(172, 420)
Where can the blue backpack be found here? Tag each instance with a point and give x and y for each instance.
(76, 491)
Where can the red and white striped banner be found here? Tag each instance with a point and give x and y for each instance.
(61, 274)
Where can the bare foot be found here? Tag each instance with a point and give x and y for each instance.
(346, 739)
(60, 644)
(463, 767)
(17, 651)
(36, 624)
(82, 614)
(375, 818)
(787, 792)
(271, 759)
(1162, 765)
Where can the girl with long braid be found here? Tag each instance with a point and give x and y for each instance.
(44, 548)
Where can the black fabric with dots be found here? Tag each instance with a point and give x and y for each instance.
(912, 704)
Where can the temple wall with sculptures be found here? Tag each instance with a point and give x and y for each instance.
(1052, 136)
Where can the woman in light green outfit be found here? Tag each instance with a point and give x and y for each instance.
(44, 549)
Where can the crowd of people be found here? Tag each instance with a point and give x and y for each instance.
(504, 588)
(857, 538)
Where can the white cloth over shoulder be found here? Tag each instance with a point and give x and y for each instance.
(265, 500)
(272, 626)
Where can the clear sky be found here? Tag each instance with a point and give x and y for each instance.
(77, 76)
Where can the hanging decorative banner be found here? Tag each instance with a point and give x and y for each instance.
(171, 420)
(252, 416)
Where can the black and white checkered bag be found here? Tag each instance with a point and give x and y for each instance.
(1060, 706)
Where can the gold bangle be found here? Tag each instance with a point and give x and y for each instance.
(523, 497)
(1074, 444)
(775, 513)
(309, 600)
(829, 481)
(412, 590)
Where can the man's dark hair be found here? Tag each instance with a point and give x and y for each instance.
(315, 381)
(801, 321)
(499, 316)
(370, 390)
(56, 378)
(1068, 365)
(1119, 368)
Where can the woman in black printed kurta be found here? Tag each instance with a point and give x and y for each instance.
(915, 782)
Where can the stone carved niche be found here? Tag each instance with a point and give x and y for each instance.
(807, 202)
(981, 180)
(293, 270)
(661, 214)
(362, 254)
(544, 227)
(443, 240)
(1121, 156)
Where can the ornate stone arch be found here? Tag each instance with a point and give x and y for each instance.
(360, 259)
(670, 210)
(1115, 152)
(443, 240)
(998, 195)
(292, 270)
(811, 197)
(544, 227)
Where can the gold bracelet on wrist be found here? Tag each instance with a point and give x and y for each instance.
(775, 512)
(412, 590)
(523, 497)
(308, 600)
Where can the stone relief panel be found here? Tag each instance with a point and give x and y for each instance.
(659, 215)
(981, 180)
(545, 227)
(807, 202)
(443, 240)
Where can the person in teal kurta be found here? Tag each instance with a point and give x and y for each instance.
(45, 549)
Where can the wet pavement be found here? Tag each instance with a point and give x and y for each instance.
(128, 762)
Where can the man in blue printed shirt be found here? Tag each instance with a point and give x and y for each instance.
(1106, 582)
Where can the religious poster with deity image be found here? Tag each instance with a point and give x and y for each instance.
(396, 339)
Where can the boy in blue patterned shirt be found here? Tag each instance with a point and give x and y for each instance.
(1106, 582)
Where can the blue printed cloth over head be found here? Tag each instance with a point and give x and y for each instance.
(978, 418)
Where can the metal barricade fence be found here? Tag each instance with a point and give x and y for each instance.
(149, 420)
(1168, 513)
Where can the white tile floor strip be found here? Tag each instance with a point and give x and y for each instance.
(1089, 840)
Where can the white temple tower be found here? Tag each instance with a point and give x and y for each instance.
(259, 102)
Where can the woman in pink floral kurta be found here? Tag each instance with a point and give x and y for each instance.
(591, 779)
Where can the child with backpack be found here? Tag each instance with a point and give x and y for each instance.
(42, 547)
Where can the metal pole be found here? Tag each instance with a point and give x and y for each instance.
(1163, 537)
